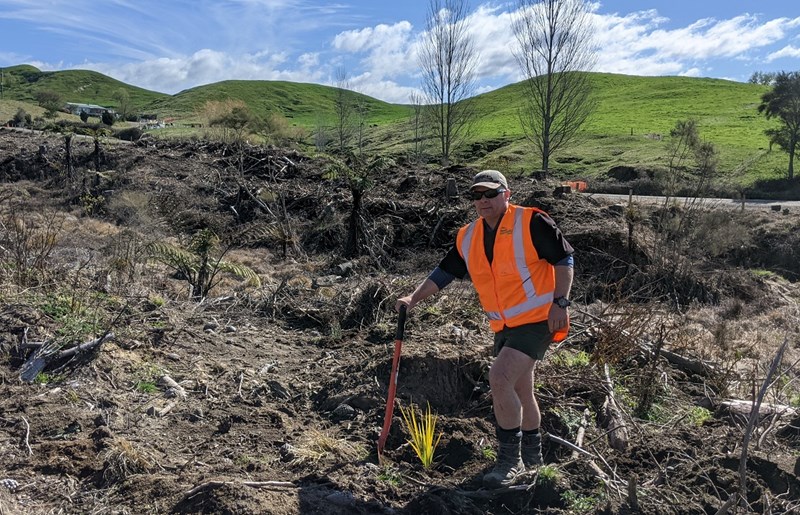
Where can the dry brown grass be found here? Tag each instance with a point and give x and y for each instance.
(123, 460)
(318, 445)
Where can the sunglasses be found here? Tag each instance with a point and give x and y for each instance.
(477, 195)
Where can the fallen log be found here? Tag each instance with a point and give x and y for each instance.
(50, 353)
(745, 408)
(693, 365)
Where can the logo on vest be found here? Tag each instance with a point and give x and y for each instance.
(505, 231)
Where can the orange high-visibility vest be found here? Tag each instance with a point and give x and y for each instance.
(517, 287)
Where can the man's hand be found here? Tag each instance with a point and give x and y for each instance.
(557, 319)
(404, 301)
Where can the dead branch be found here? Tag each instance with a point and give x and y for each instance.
(751, 423)
(612, 414)
(27, 436)
(723, 510)
(83, 347)
(173, 388)
(633, 499)
(575, 449)
(773, 421)
(154, 412)
(581, 432)
(696, 366)
(745, 408)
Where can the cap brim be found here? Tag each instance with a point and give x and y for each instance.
(490, 185)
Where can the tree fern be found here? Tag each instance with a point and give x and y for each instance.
(198, 263)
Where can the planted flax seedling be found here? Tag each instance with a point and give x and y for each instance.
(422, 433)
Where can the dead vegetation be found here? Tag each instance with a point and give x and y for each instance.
(279, 385)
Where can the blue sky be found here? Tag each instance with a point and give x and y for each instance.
(171, 45)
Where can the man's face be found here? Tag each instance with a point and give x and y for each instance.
(491, 208)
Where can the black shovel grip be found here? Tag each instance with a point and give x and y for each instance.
(401, 323)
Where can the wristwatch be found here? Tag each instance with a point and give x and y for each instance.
(562, 302)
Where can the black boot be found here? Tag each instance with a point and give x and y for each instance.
(531, 449)
(509, 465)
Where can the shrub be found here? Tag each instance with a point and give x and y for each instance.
(107, 118)
(21, 119)
(129, 134)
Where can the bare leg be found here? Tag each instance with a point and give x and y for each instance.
(531, 417)
(510, 368)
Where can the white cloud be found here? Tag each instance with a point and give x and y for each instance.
(387, 48)
(787, 51)
(170, 75)
(691, 72)
(636, 44)
(308, 60)
(494, 39)
(386, 90)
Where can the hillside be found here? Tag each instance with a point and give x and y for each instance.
(629, 128)
(632, 123)
(303, 104)
(269, 395)
(79, 86)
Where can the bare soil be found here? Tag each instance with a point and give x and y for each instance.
(281, 388)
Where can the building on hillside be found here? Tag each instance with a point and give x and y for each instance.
(90, 109)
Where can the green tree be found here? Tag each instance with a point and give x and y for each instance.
(123, 99)
(763, 78)
(783, 102)
(51, 102)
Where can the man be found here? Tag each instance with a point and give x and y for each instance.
(521, 267)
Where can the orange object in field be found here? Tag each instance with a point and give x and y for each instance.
(576, 185)
(398, 344)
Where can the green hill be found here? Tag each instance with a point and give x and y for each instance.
(632, 122)
(304, 104)
(23, 82)
(630, 126)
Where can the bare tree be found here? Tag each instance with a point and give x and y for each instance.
(447, 58)
(344, 109)
(417, 127)
(554, 46)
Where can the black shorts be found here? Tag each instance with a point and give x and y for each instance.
(531, 339)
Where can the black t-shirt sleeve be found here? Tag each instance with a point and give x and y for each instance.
(454, 264)
(548, 240)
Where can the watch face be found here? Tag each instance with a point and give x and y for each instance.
(562, 302)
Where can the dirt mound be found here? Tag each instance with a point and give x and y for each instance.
(268, 396)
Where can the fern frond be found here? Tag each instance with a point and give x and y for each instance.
(239, 270)
(175, 257)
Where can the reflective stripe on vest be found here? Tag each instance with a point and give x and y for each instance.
(533, 300)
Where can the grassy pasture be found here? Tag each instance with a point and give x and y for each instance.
(630, 126)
